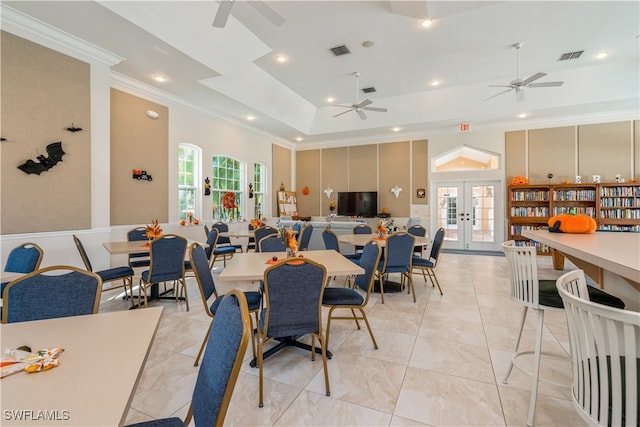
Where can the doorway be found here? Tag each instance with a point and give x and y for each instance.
(471, 214)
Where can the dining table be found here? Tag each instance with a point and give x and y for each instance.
(98, 370)
(250, 266)
(363, 239)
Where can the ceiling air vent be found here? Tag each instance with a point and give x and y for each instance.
(570, 55)
(368, 89)
(340, 50)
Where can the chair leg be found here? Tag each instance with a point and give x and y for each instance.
(432, 277)
(204, 343)
(381, 280)
(355, 318)
(536, 369)
(366, 321)
(410, 280)
(184, 288)
(260, 363)
(323, 347)
(515, 351)
(329, 317)
(253, 333)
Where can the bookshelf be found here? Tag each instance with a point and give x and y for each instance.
(615, 207)
(619, 207)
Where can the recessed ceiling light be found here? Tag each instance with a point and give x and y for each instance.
(522, 115)
(396, 129)
(299, 138)
(250, 117)
(281, 58)
(602, 55)
(426, 23)
(435, 83)
(367, 43)
(330, 99)
(159, 78)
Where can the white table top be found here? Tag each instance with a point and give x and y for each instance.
(612, 251)
(135, 246)
(9, 276)
(99, 369)
(251, 265)
(237, 234)
(363, 239)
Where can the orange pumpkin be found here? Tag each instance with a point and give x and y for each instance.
(567, 223)
(519, 180)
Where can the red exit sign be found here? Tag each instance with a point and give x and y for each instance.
(464, 127)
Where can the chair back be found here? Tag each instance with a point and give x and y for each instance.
(605, 358)
(417, 230)
(212, 241)
(271, 243)
(293, 298)
(330, 240)
(138, 259)
(222, 361)
(399, 251)
(305, 237)
(262, 232)
(202, 272)
(167, 258)
(38, 296)
(24, 258)
(222, 228)
(83, 253)
(436, 246)
(523, 273)
(369, 260)
(362, 229)
(206, 230)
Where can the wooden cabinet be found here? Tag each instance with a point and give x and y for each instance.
(619, 207)
(615, 207)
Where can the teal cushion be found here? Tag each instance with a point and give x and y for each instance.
(550, 297)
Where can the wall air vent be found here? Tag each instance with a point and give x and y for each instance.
(340, 50)
(570, 55)
(370, 89)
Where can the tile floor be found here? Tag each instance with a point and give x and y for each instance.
(440, 361)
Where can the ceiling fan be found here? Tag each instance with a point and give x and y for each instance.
(519, 85)
(224, 10)
(358, 106)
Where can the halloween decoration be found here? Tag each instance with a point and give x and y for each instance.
(207, 186)
(250, 191)
(44, 163)
(73, 129)
(3, 139)
(140, 174)
(549, 177)
(306, 191)
(519, 180)
(567, 223)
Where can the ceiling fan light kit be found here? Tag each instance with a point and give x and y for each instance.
(518, 85)
(359, 106)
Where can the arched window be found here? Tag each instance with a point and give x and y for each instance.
(188, 178)
(259, 186)
(226, 188)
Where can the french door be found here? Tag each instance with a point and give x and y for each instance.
(471, 213)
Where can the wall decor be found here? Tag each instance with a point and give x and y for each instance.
(141, 175)
(595, 179)
(421, 193)
(152, 114)
(250, 190)
(306, 191)
(396, 191)
(44, 163)
(73, 129)
(207, 186)
(2, 139)
(328, 191)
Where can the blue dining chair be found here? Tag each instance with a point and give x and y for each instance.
(226, 344)
(222, 240)
(330, 240)
(138, 259)
(36, 296)
(262, 232)
(271, 243)
(397, 259)
(207, 287)
(305, 237)
(350, 298)
(293, 298)
(167, 265)
(124, 273)
(361, 229)
(420, 231)
(427, 266)
(23, 259)
(214, 251)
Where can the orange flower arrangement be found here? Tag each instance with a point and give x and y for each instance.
(153, 231)
(291, 239)
(257, 222)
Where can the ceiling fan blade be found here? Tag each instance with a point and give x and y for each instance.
(533, 78)
(520, 96)
(382, 110)
(343, 106)
(546, 84)
(267, 12)
(222, 15)
(511, 86)
(498, 94)
(364, 103)
(344, 112)
(361, 114)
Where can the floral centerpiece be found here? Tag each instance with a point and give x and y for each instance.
(332, 206)
(382, 228)
(229, 202)
(292, 243)
(257, 222)
(154, 230)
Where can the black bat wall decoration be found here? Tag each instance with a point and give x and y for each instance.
(73, 129)
(44, 163)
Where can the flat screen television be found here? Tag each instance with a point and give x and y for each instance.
(358, 203)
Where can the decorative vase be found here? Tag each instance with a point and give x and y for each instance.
(290, 253)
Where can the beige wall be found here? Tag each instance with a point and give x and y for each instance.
(281, 167)
(43, 93)
(395, 163)
(335, 174)
(363, 170)
(552, 151)
(515, 154)
(308, 175)
(138, 142)
(605, 149)
(636, 149)
(420, 171)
